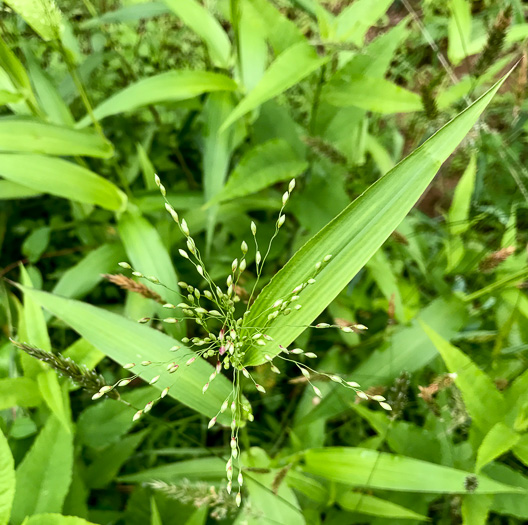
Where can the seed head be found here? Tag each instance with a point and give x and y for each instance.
(211, 423)
(191, 361)
(285, 198)
(281, 220)
(164, 392)
(184, 227)
(125, 265)
(172, 212)
(253, 228)
(137, 415)
(154, 380)
(183, 253)
(129, 365)
(291, 186)
(238, 499)
(258, 258)
(244, 247)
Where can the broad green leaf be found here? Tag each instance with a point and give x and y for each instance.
(107, 463)
(126, 341)
(356, 233)
(147, 254)
(261, 167)
(84, 276)
(521, 449)
(61, 178)
(497, 441)
(280, 31)
(409, 348)
(105, 423)
(459, 211)
(30, 136)
(7, 479)
(155, 517)
(289, 68)
(19, 391)
(205, 25)
(271, 507)
(56, 110)
(36, 330)
(483, 401)
(372, 94)
(35, 243)
(16, 73)
(56, 519)
(199, 516)
(43, 16)
(381, 271)
(165, 87)
(369, 468)
(210, 468)
(6, 97)
(355, 20)
(44, 475)
(475, 508)
(459, 30)
(128, 13)
(509, 504)
(51, 392)
(146, 167)
(253, 48)
(217, 153)
(12, 190)
(84, 353)
(373, 506)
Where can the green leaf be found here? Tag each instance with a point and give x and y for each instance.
(372, 94)
(205, 25)
(169, 86)
(289, 68)
(51, 392)
(30, 136)
(36, 243)
(261, 167)
(148, 255)
(7, 479)
(105, 423)
(12, 190)
(199, 517)
(43, 16)
(44, 475)
(107, 463)
(6, 97)
(84, 353)
(475, 508)
(459, 30)
(56, 519)
(373, 506)
(484, 402)
(217, 152)
(16, 72)
(128, 13)
(48, 96)
(84, 276)
(497, 441)
(356, 233)
(126, 341)
(369, 468)
(280, 31)
(459, 211)
(155, 517)
(355, 20)
(61, 178)
(201, 469)
(19, 391)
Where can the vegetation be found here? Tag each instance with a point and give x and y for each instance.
(263, 262)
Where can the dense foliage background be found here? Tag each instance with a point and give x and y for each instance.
(243, 96)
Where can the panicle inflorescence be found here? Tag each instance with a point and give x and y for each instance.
(226, 336)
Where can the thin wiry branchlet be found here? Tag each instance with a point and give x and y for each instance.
(126, 283)
(226, 337)
(87, 379)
